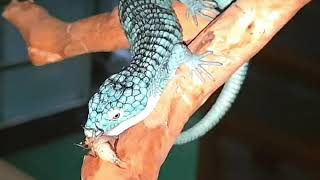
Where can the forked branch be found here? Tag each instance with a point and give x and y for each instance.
(236, 36)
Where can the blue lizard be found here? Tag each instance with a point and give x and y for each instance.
(157, 48)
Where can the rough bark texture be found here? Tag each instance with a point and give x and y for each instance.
(51, 40)
(237, 35)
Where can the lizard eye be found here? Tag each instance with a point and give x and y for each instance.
(115, 114)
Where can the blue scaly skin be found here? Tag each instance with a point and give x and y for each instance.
(157, 48)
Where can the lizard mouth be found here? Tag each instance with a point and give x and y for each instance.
(89, 132)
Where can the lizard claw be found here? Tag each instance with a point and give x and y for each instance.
(197, 64)
(200, 7)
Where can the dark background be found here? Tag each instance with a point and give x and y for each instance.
(271, 132)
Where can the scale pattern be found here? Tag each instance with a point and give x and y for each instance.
(154, 34)
(153, 30)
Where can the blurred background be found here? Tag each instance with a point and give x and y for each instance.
(271, 132)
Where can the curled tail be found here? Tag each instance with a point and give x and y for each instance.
(218, 110)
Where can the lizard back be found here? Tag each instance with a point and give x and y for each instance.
(152, 29)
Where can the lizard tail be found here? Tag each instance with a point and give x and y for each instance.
(218, 110)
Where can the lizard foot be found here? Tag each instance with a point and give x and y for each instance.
(182, 55)
(197, 63)
(200, 7)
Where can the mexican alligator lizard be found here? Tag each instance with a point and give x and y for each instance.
(157, 48)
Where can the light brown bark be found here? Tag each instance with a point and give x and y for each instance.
(237, 35)
(50, 40)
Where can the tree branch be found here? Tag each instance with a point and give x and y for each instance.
(50, 40)
(236, 36)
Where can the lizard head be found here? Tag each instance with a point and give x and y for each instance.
(114, 109)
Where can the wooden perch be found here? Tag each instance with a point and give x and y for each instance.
(50, 40)
(236, 36)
